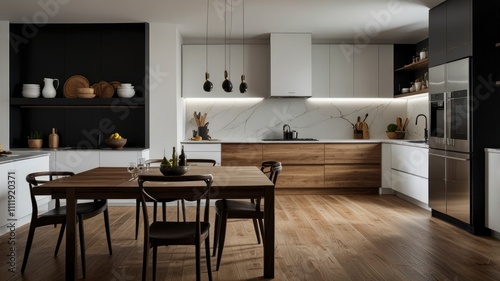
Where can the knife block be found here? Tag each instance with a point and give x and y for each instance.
(361, 131)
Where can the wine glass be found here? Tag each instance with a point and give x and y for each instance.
(131, 168)
(140, 165)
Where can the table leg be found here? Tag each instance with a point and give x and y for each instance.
(70, 234)
(269, 233)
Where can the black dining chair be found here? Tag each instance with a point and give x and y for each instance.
(242, 209)
(168, 233)
(57, 215)
(163, 202)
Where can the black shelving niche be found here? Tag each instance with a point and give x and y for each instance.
(99, 52)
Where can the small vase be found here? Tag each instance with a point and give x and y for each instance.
(54, 139)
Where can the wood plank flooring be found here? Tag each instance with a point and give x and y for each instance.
(318, 237)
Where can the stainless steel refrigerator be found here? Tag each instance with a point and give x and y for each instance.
(449, 141)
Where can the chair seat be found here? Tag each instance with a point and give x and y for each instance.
(175, 230)
(235, 206)
(81, 208)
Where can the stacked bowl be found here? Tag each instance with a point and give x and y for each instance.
(125, 90)
(31, 90)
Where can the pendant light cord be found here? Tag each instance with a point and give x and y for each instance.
(206, 40)
(225, 35)
(243, 35)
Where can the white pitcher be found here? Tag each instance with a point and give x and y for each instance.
(48, 89)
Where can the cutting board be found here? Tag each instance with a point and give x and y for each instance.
(366, 131)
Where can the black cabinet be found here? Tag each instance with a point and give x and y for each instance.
(450, 31)
(99, 52)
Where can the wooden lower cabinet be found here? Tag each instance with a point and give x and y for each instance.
(241, 154)
(352, 176)
(301, 176)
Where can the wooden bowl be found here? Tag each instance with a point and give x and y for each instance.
(396, 135)
(173, 170)
(116, 143)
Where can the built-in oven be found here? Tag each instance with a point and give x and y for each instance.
(437, 138)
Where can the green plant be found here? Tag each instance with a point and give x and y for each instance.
(35, 135)
(392, 128)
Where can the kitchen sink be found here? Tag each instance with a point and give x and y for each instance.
(298, 139)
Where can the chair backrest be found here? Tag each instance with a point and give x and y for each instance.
(200, 162)
(196, 193)
(38, 178)
(272, 169)
(151, 161)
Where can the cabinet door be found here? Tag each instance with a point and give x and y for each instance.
(204, 151)
(303, 153)
(386, 71)
(353, 153)
(321, 71)
(458, 29)
(243, 154)
(437, 35)
(77, 161)
(366, 71)
(342, 71)
(352, 176)
(301, 176)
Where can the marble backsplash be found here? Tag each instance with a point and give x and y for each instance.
(312, 118)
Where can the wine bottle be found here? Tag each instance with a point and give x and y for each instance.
(182, 158)
(174, 157)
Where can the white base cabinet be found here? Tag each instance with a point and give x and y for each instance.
(492, 189)
(20, 199)
(409, 176)
(203, 151)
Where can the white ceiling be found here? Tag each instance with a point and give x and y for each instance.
(360, 21)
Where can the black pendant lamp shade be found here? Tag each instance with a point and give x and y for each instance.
(207, 86)
(227, 86)
(243, 85)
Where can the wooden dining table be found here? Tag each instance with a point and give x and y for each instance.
(231, 182)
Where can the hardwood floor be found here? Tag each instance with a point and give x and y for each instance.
(318, 237)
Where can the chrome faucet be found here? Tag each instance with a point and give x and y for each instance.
(286, 133)
(426, 134)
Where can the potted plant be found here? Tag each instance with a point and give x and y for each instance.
(35, 140)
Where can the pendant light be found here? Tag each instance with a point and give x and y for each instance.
(207, 86)
(243, 85)
(227, 86)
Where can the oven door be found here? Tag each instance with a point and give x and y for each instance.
(437, 111)
(457, 121)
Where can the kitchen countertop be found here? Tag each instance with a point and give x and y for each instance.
(255, 140)
(18, 156)
(26, 149)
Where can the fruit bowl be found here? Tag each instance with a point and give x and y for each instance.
(173, 170)
(116, 143)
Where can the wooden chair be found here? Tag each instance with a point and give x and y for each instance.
(166, 233)
(201, 162)
(58, 215)
(238, 209)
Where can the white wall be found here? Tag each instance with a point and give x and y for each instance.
(164, 89)
(4, 85)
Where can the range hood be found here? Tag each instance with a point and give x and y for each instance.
(291, 65)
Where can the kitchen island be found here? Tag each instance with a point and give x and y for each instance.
(14, 190)
(325, 166)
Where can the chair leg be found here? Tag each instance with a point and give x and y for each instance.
(145, 256)
(216, 233)
(155, 206)
(262, 230)
(222, 237)
(183, 210)
(164, 210)
(28, 246)
(82, 245)
(207, 256)
(197, 254)
(256, 227)
(59, 239)
(155, 256)
(108, 233)
(137, 210)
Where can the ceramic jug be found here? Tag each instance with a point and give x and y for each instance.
(49, 91)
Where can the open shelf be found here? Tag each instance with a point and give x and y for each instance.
(414, 66)
(64, 102)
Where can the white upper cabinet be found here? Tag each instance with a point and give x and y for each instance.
(341, 71)
(291, 65)
(361, 71)
(256, 61)
(321, 71)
